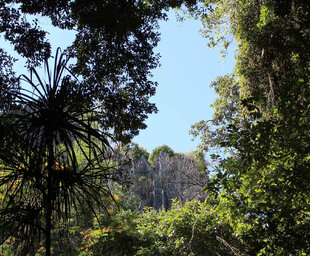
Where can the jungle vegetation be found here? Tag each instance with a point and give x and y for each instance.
(58, 132)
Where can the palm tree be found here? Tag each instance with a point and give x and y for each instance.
(55, 156)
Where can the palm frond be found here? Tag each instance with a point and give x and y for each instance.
(58, 157)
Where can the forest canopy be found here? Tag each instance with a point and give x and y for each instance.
(258, 194)
(261, 120)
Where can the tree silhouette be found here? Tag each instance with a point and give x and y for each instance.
(56, 156)
(54, 143)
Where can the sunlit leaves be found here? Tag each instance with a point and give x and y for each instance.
(263, 184)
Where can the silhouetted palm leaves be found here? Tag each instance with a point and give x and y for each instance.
(55, 157)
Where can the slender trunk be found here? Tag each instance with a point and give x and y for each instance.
(48, 216)
(48, 224)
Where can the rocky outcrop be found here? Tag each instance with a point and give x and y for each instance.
(177, 177)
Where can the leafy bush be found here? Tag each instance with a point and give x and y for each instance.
(137, 151)
(154, 155)
(192, 229)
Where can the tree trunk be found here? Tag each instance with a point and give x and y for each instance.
(48, 223)
(48, 216)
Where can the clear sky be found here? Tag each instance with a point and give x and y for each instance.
(183, 95)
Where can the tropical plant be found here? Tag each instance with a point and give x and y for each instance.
(55, 157)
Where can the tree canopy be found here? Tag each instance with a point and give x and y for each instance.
(113, 50)
(261, 119)
(57, 135)
(259, 195)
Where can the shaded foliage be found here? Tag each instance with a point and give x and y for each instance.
(8, 81)
(113, 50)
(55, 159)
(57, 136)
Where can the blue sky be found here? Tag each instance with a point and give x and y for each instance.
(183, 95)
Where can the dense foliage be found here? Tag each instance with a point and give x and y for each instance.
(192, 229)
(155, 152)
(113, 50)
(54, 159)
(136, 152)
(57, 135)
(262, 123)
(55, 155)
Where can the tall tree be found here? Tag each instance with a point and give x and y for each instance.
(42, 176)
(113, 50)
(56, 157)
(263, 183)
